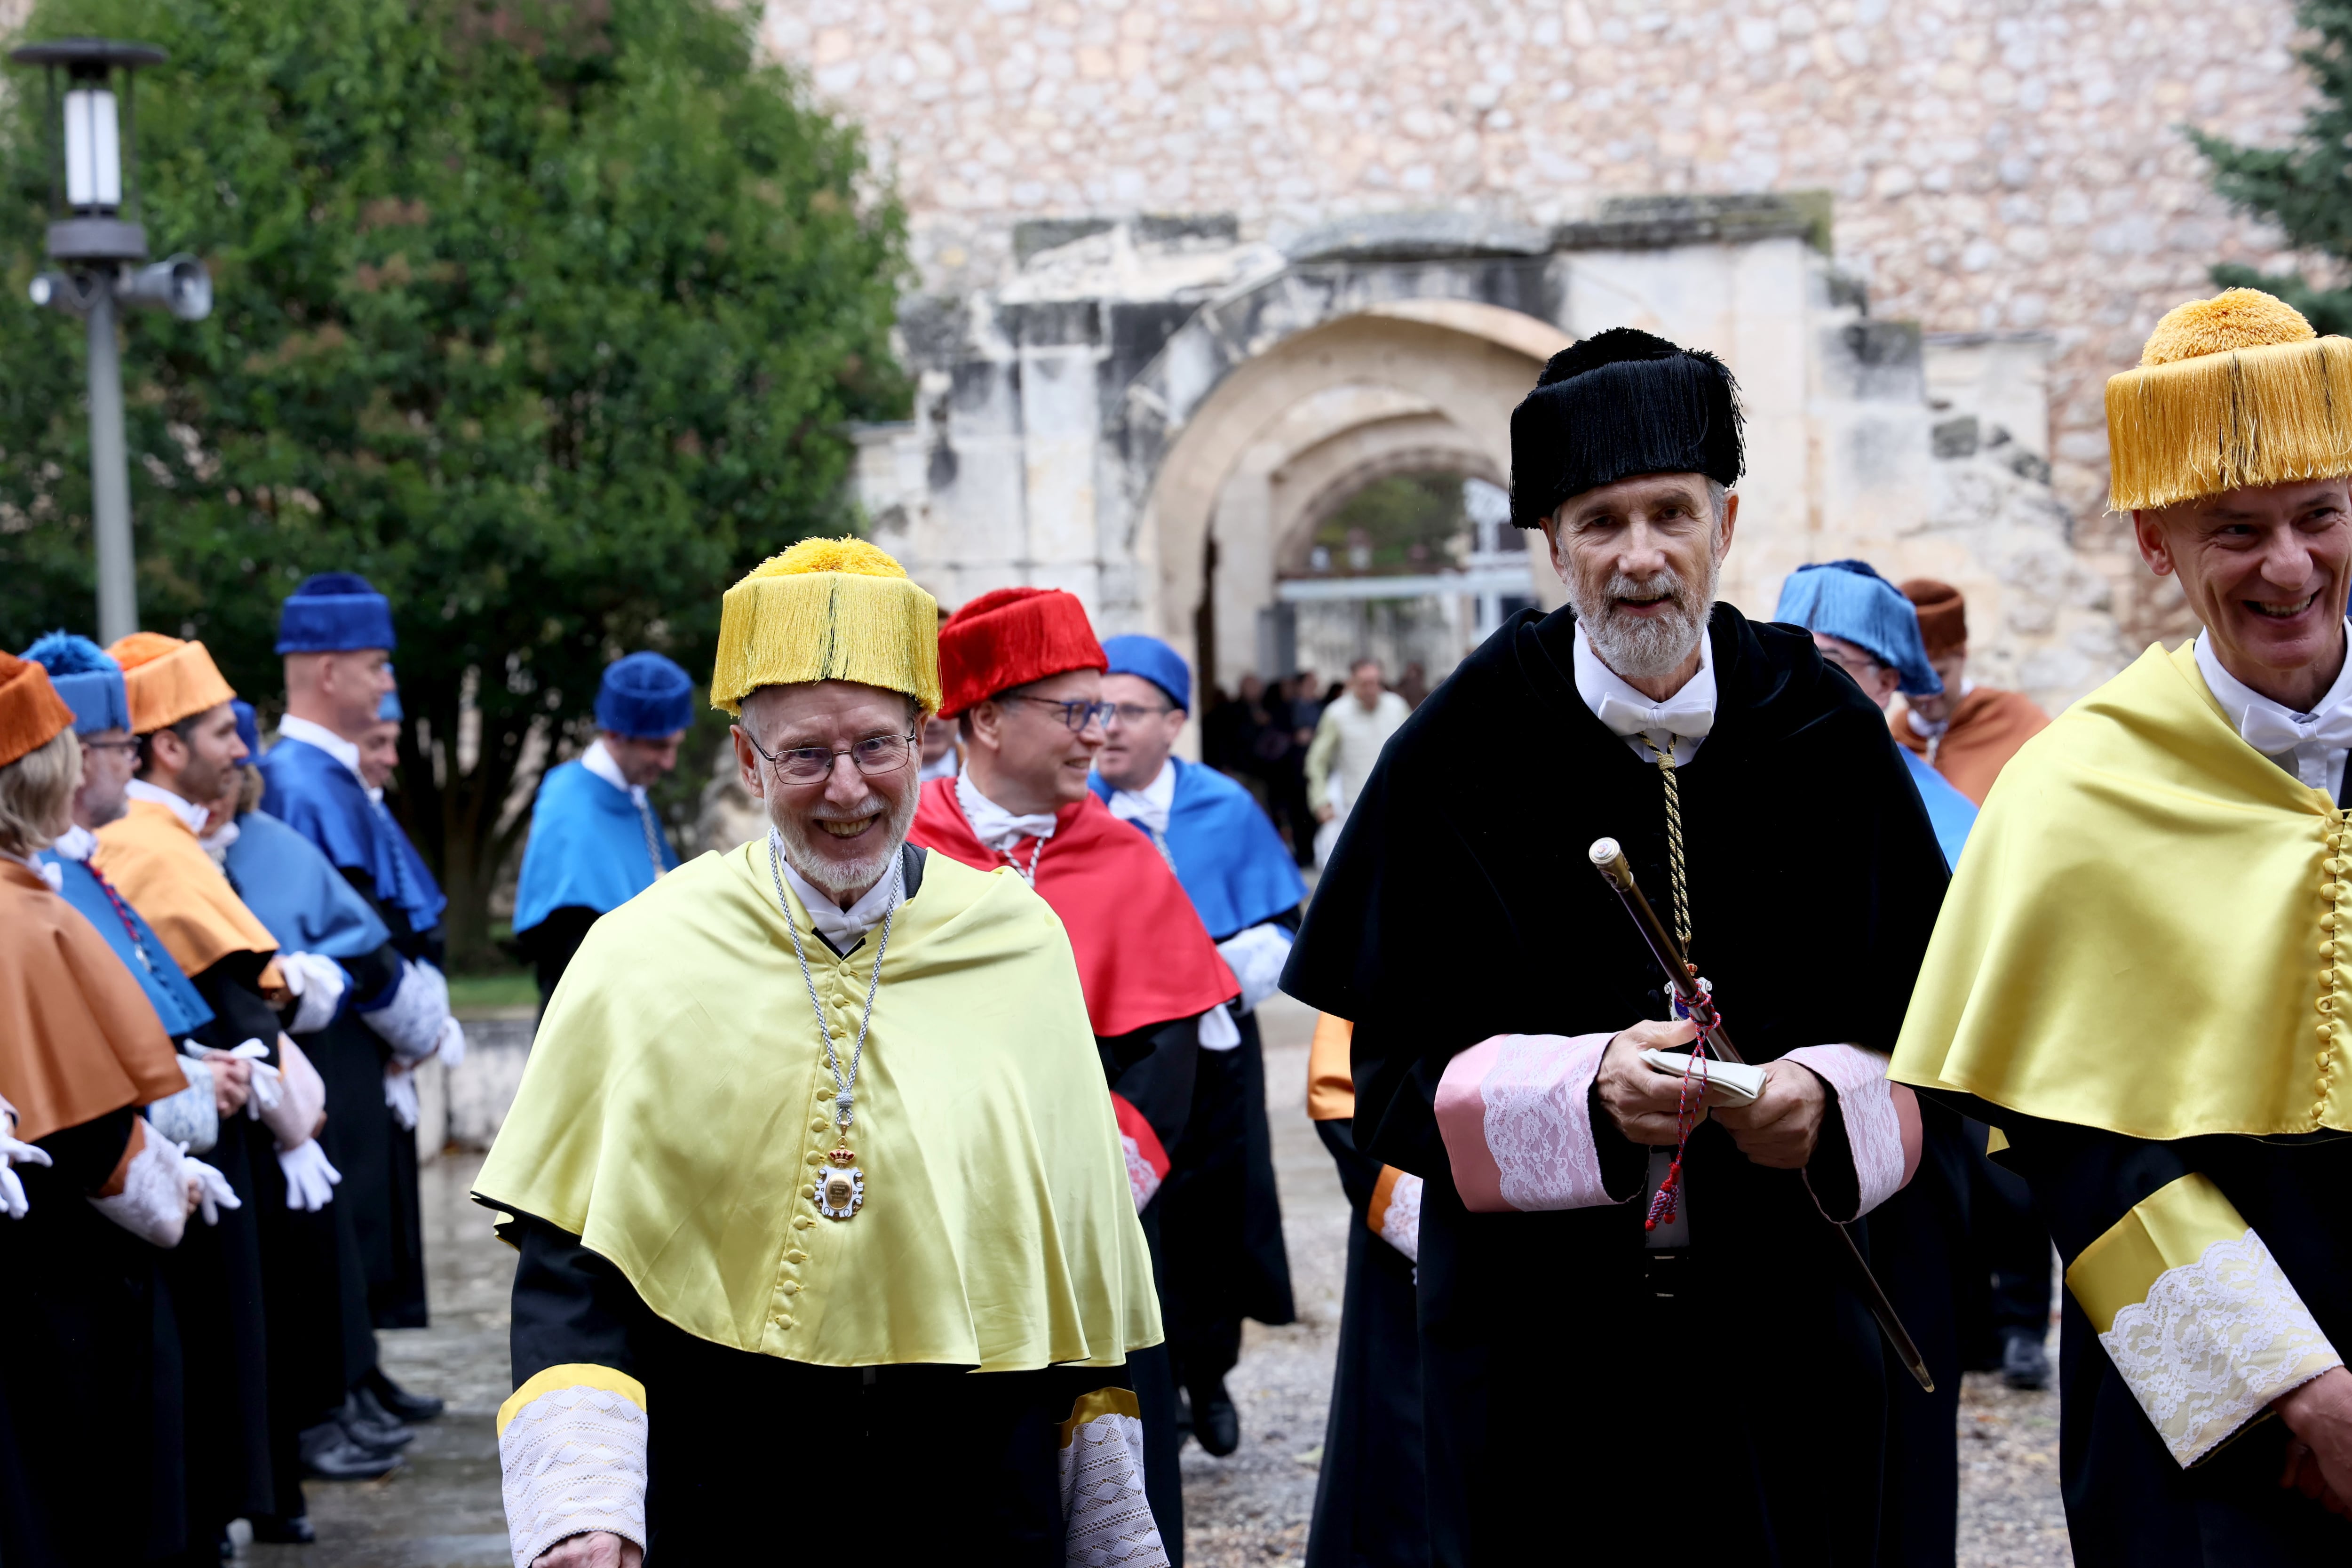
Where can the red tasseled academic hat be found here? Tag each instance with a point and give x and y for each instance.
(1010, 638)
(31, 712)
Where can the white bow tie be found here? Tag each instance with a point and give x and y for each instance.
(1676, 716)
(2274, 732)
(994, 827)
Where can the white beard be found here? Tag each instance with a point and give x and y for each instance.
(837, 876)
(1650, 647)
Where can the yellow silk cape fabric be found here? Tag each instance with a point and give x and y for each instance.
(2134, 939)
(677, 1105)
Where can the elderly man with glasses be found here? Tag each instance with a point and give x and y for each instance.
(811, 1173)
(1023, 675)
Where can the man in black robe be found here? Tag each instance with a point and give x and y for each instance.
(1578, 1365)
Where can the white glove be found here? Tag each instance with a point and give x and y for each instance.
(12, 1202)
(1256, 956)
(400, 1093)
(265, 1092)
(318, 982)
(1218, 1030)
(410, 1023)
(212, 1192)
(310, 1179)
(451, 1048)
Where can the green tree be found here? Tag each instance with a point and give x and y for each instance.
(546, 315)
(2304, 187)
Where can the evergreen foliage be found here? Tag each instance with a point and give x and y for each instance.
(2304, 187)
(547, 316)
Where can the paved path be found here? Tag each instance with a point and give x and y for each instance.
(443, 1510)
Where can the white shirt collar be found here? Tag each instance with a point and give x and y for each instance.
(47, 870)
(77, 845)
(187, 811)
(844, 929)
(1687, 715)
(2310, 745)
(599, 760)
(344, 751)
(1152, 803)
(993, 826)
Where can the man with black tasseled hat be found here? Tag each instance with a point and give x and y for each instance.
(1597, 1343)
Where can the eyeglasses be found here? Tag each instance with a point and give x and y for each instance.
(131, 746)
(876, 756)
(1135, 712)
(1077, 716)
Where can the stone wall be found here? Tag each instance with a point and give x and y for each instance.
(1992, 165)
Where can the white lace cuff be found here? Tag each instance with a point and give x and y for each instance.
(153, 1202)
(1109, 1519)
(192, 1116)
(2214, 1342)
(1516, 1118)
(410, 1021)
(571, 1459)
(1874, 1131)
(1394, 1213)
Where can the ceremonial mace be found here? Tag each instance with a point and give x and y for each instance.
(1611, 862)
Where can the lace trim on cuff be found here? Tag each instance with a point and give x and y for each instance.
(2214, 1342)
(1873, 1132)
(153, 1202)
(1538, 1122)
(1395, 1212)
(571, 1461)
(1109, 1520)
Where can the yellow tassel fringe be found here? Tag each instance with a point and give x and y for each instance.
(2236, 419)
(827, 609)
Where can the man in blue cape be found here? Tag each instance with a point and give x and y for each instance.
(596, 842)
(1221, 1219)
(335, 634)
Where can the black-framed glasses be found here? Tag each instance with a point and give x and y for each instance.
(876, 756)
(1075, 716)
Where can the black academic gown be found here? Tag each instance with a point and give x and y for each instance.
(1553, 1393)
(366, 1143)
(1370, 1492)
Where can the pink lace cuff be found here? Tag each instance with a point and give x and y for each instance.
(1882, 1121)
(1516, 1115)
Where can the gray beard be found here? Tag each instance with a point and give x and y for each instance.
(1650, 647)
(836, 877)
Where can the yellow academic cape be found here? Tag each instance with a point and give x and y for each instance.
(677, 1104)
(2142, 935)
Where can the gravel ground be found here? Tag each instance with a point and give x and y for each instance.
(441, 1510)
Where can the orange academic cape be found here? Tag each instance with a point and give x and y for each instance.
(78, 1037)
(153, 858)
(1988, 727)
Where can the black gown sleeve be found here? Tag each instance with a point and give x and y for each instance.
(570, 1307)
(232, 988)
(1359, 1173)
(84, 1156)
(1152, 1068)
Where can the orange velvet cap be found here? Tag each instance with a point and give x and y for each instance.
(31, 711)
(168, 680)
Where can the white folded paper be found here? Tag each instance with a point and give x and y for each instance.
(1728, 1083)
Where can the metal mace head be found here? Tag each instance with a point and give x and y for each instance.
(1609, 860)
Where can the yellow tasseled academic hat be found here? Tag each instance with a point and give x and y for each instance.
(2231, 393)
(827, 609)
(167, 679)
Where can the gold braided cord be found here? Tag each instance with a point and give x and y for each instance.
(1680, 884)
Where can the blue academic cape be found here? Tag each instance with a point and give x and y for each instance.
(305, 901)
(587, 848)
(324, 801)
(176, 1001)
(1228, 856)
(1949, 812)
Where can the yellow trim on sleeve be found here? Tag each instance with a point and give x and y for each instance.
(1376, 1211)
(1093, 1406)
(1330, 1076)
(2169, 1228)
(576, 1374)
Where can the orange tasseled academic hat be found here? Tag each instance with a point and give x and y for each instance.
(31, 711)
(169, 680)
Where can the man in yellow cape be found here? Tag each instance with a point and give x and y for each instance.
(2143, 971)
(816, 1183)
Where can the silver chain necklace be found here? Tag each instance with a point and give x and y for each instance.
(653, 841)
(842, 1191)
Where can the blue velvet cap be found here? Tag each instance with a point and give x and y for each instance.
(248, 729)
(1848, 600)
(1155, 661)
(644, 696)
(89, 681)
(334, 611)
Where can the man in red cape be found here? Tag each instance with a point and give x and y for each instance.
(1021, 672)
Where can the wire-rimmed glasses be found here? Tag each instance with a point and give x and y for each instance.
(876, 756)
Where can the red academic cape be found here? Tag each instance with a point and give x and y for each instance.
(1143, 955)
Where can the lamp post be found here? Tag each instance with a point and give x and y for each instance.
(96, 250)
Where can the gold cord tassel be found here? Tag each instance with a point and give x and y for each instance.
(1679, 885)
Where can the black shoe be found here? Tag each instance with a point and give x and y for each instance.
(364, 1408)
(1216, 1425)
(290, 1530)
(328, 1454)
(379, 1436)
(2023, 1362)
(398, 1402)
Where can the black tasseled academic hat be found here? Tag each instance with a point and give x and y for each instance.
(1615, 404)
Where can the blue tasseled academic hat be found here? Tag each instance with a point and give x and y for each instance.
(1155, 661)
(644, 696)
(1847, 599)
(334, 611)
(248, 729)
(89, 681)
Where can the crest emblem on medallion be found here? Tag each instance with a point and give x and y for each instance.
(840, 1193)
